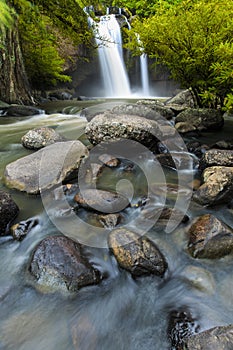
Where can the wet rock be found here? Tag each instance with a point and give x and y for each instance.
(202, 119)
(40, 137)
(197, 148)
(109, 127)
(217, 157)
(8, 211)
(139, 255)
(93, 171)
(177, 160)
(209, 238)
(109, 220)
(223, 144)
(162, 216)
(60, 95)
(217, 338)
(181, 324)
(20, 230)
(182, 99)
(185, 127)
(59, 263)
(217, 187)
(137, 110)
(45, 168)
(159, 107)
(101, 201)
(22, 111)
(109, 161)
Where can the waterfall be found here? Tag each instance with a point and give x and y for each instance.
(113, 71)
(144, 75)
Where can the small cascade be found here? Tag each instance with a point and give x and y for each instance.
(144, 75)
(113, 71)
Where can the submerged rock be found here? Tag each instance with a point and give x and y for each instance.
(22, 111)
(45, 168)
(40, 137)
(139, 255)
(58, 262)
(216, 338)
(201, 119)
(217, 187)
(210, 238)
(181, 324)
(8, 211)
(101, 201)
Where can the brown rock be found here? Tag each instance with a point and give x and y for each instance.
(58, 262)
(8, 211)
(217, 187)
(209, 238)
(139, 255)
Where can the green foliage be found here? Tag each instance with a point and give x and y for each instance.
(44, 27)
(5, 16)
(194, 40)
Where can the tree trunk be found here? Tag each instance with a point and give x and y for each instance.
(14, 86)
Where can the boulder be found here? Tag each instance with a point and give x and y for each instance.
(177, 160)
(165, 215)
(45, 168)
(22, 111)
(216, 338)
(182, 99)
(200, 119)
(181, 324)
(8, 211)
(217, 157)
(108, 127)
(209, 238)
(40, 137)
(137, 109)
(59, 263)
(217, 187)
(101, 201)
(159, 107)
(139, 255)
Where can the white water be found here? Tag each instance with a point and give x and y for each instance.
(144, 75)
(113, 71)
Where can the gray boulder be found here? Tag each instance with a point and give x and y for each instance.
(58, 263)
(8, 211)
(45, 168)
(200, 119)
(139, 255)
(217, 187)
(209, 238)
(40, 137)
(137, 109)
(108, 127)
(217, 338)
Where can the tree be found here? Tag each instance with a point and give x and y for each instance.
(32, 39)
(194, 40)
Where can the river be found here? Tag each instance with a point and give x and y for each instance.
(121, 313)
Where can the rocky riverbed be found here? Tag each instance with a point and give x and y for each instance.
(135, 217)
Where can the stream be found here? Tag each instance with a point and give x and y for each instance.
(121, 313)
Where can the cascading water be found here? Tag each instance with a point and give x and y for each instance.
(113, 71)
(144, 75)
